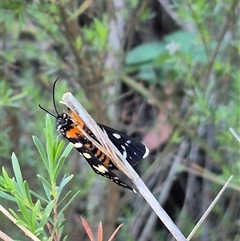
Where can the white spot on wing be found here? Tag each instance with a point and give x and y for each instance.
(77, 145)
(146, 153)
(101, 168)
(117, 136)
(124, 151)
(86, 155)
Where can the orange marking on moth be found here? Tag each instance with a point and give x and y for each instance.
(77, 119)
(106, 162)
(73, 133)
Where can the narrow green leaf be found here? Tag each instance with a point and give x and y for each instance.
(8, 182)
(22, 223)
(46, 183)
(49, 137)
(23, 209)
(65, 181)
(47, 213)
(63, 199)
(59, 166)
(49, 129)
(60, 223)
(65, 238)
(27, 193)
(39, 197)
(41, 151)
(7, 196)
(62, 159)
(17, 171)
(3, 183)
(35, 213)
(14, 214)
(39, 231)
(49, 145)
(46, 186)
(59, 149)
(69, 202)
(67, 150)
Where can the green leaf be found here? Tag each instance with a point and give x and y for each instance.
(67, 150)
(7, 196)
(39, 197)
(65, 197)
(46, 213)
(101, 32)
(49, 144)
(63, 183)
(69, 202)
(35, 213)
(59, 148)
(17, 171)
(40, 149)
(147, 74)
(5, 175)
(188, 45)
(59, 166)
(14, 214)
(12, 5)
(9, 184)
(23, 208)
(39, 231)
(7, 99)
(18, 174)
(45, 182)
(145, 53)
(27, 193)
(3, 182)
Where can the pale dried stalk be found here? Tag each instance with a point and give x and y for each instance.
(14, 220)
(209, 209)
(5, 237)
(122, 164)
(235, 134)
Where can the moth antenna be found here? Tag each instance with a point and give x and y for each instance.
(47, 111)
(54, 101)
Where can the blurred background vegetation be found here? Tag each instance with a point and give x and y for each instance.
(166, 73)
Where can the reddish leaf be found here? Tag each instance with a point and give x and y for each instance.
(100, 232)
(88, 229)
(115, 232)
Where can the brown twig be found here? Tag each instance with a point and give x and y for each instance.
(220, 39)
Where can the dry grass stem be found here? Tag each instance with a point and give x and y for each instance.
(209, 209)
(14, 220)
(122, 165)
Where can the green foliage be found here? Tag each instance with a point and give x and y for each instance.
(96, 34)
(35, 210)
(8, 99)
(42, 43)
